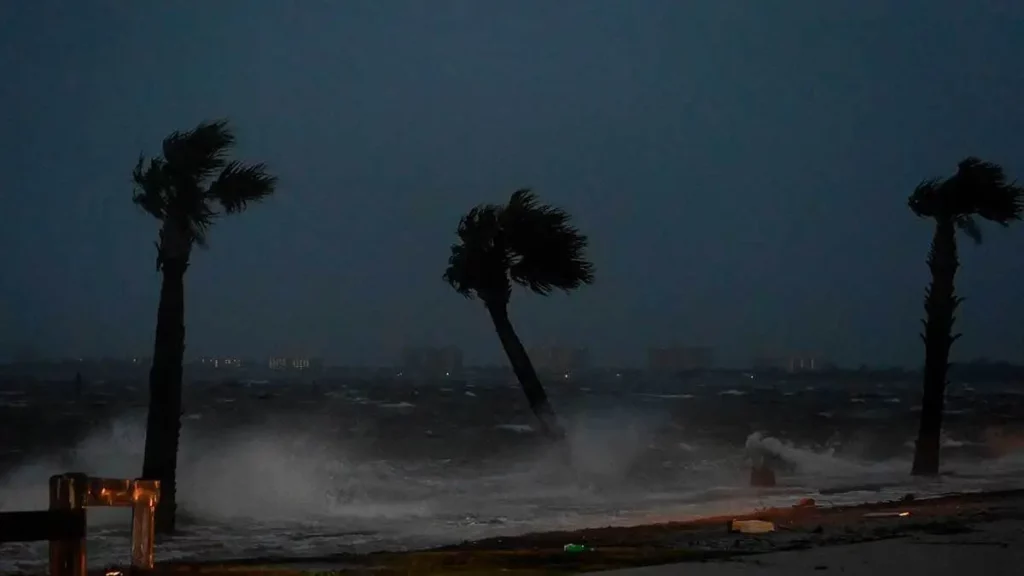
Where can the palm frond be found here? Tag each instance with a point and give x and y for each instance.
(524, 241)
(976, 173)
(478, 264)
(926, 199)
(198, 228)
(970, 227)
(457, 273)
(523, 200)
(978, 188)
(239, 184)
(150, 187)
(194, 232)
(547, 251)
(982, 189)
(197, 154)
(177, 187)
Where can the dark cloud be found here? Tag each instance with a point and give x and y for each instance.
(742, 169)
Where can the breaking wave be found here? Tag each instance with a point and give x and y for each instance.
(315, 487)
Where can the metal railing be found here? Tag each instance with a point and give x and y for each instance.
(64, 523)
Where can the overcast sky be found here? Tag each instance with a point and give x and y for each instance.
(742, 170)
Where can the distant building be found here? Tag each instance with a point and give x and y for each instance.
(560, 360)
(431, 362)
(791, 363)
(220, 363)
(680, 359)
(804, 364)
(295, 363)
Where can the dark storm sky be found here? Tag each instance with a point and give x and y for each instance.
(741, 167)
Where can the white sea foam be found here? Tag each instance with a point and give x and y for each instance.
(252, 491)
(671, 396)
(520, 428)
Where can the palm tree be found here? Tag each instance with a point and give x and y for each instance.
(529, 244)
(186, 190)
(977, 189)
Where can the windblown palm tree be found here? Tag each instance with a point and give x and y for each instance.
(529, 244)
(977, 189)
(186, 189)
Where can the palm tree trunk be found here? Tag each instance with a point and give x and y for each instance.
(940, 307)
(523, 368)
(163, 425)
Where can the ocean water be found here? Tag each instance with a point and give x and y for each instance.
(300, 469)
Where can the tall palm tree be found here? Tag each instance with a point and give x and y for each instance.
(529, 244)
(977, 189)
(186, 189)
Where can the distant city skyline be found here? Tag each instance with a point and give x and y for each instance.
(552, 357)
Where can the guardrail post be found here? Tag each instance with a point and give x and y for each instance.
(68, 492)
(145, 495)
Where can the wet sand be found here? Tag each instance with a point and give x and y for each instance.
(984, 530)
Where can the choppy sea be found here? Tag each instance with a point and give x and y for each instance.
(302, 469)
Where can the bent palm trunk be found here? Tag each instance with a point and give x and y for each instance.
(940, 306)
(163, 425)
(525, 373)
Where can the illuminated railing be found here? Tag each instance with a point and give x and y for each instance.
(64, 523)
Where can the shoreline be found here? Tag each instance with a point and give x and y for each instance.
(704, 539)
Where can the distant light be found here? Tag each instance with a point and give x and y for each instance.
(566, 375)
(447, 373)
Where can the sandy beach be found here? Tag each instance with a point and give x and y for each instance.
(995, 548)
(945, 535)
(988, 547)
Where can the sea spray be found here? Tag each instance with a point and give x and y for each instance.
(315, 471)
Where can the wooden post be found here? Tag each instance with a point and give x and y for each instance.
(145, 495)
(68, 492)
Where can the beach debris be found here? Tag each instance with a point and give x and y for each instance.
(903, 514)
(751, 526)
(805, 503)
(572, 547)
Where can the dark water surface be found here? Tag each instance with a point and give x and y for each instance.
(301, 468)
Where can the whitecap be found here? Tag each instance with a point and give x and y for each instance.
(519, 428)
(732, 392)
(670, 396)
